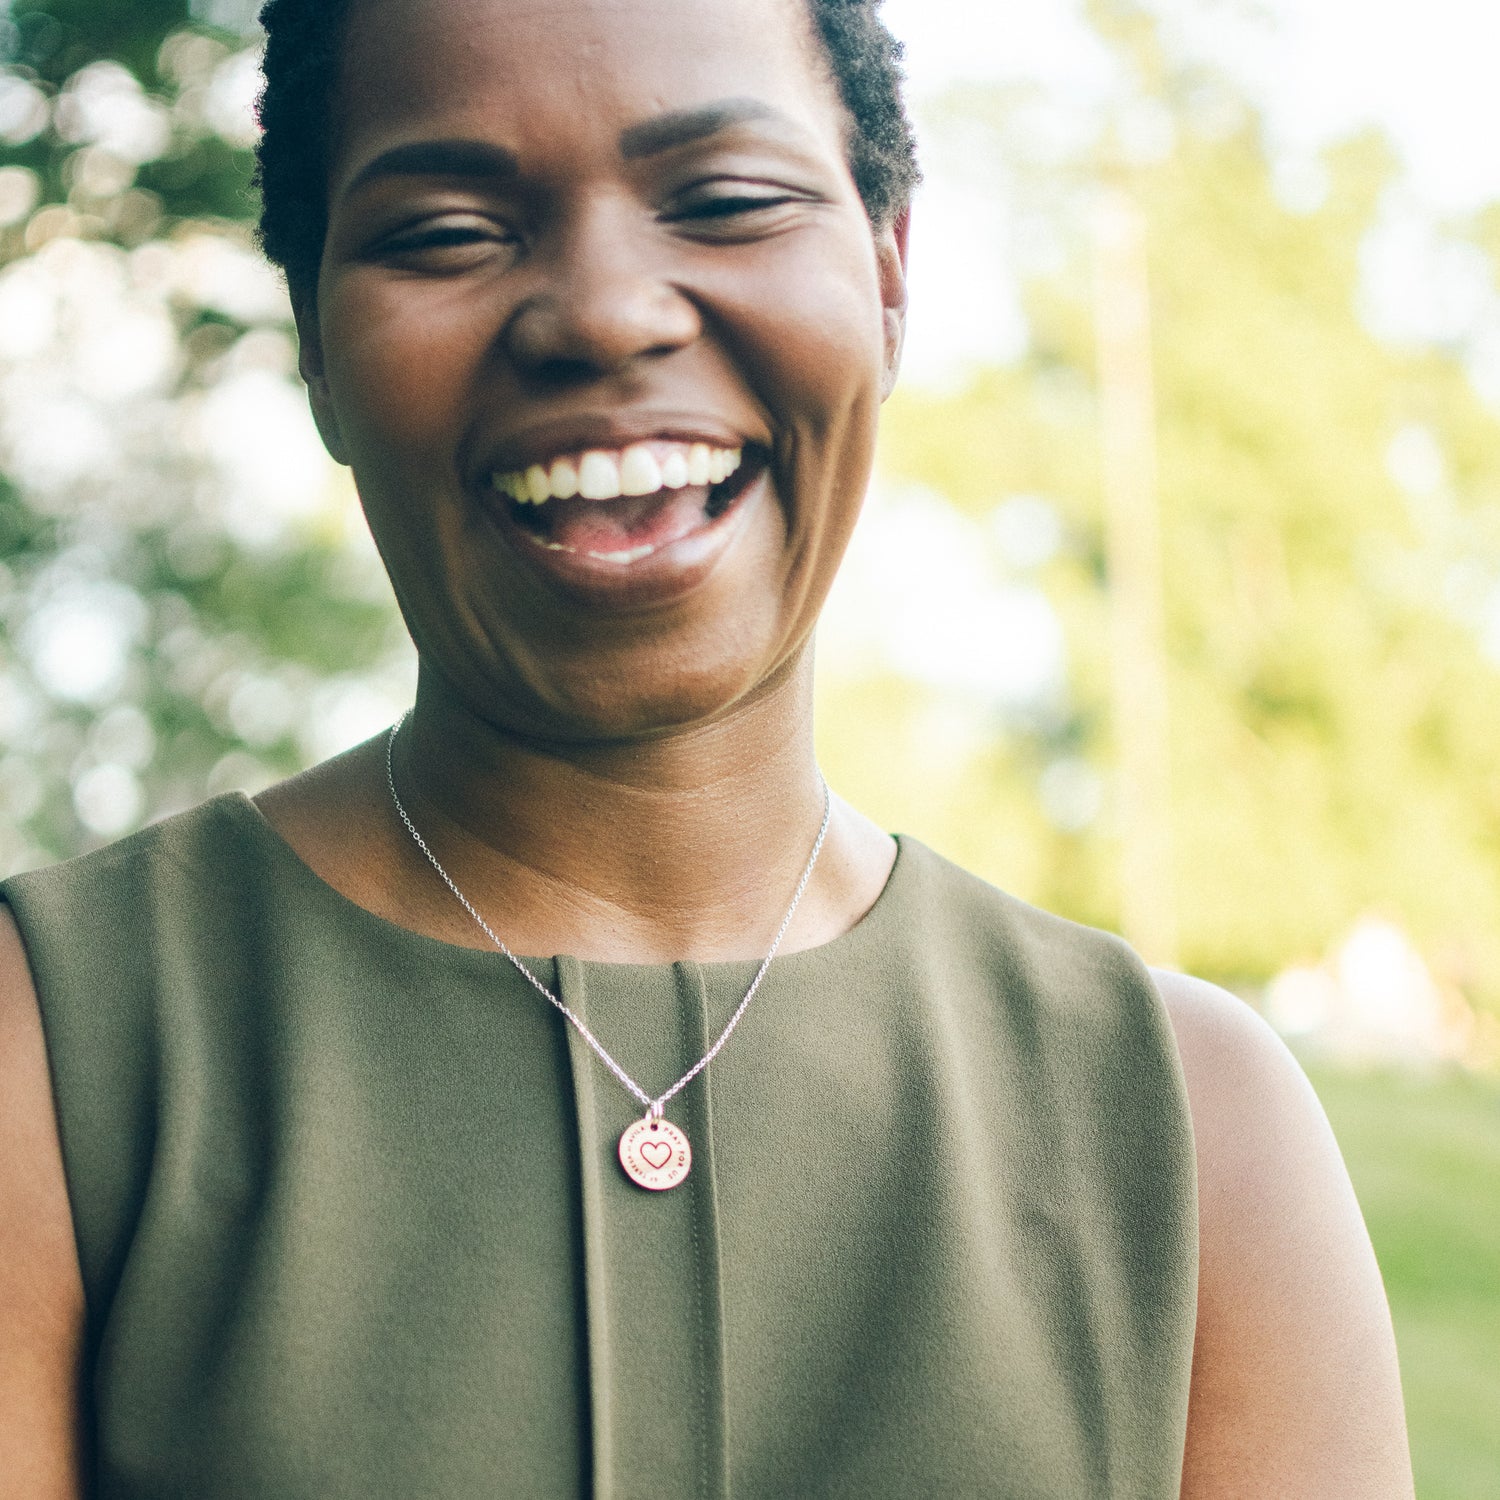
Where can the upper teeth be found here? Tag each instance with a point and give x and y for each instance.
(642, 469)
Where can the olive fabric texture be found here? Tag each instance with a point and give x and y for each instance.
(351, 1222)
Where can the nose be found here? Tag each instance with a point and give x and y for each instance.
(605, 304)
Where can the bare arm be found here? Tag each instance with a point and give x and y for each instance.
(1296, 1392)
(41, 1294)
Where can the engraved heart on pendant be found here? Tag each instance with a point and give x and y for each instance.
(658, 1153)
(655, 1154)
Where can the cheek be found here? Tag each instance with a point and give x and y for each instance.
(812, 346)
(817, 359)
(400, 367)
(818, 341)
(399, 364)
(837, 363)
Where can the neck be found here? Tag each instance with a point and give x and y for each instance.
(687, 844)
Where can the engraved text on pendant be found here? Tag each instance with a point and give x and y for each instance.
(655, 1154)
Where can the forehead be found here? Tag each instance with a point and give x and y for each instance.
(563, 71)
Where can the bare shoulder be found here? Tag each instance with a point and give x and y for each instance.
(41, 1293)
(1296, 1390)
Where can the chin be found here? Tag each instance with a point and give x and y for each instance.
(639, 701)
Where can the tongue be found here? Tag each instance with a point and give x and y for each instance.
(602, 527)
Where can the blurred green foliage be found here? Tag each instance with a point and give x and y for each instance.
(1334, 715)
(158, 333)
(198, 173)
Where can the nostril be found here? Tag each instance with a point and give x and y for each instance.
(564, 372)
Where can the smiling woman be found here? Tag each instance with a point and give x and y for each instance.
(497, 302)
(806, 1164)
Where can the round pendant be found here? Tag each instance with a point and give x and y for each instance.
(655, 1154)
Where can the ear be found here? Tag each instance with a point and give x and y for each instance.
(890, 252)
(310, 367)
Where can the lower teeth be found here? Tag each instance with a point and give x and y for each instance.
(633, 554)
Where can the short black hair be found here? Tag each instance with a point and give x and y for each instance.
(303, 39)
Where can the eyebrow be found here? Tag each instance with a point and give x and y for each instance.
(683, 126)
(457, 158)
(471, 158)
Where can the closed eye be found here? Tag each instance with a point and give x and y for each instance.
(727, 207)
(430, 238)
(444, 244)
(736, 214)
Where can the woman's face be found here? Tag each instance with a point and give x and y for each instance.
(603, 329)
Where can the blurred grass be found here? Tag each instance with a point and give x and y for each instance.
(1424, 1155)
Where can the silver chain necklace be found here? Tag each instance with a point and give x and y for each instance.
(654, 1152)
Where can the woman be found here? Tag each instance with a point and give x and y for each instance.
(599, 300)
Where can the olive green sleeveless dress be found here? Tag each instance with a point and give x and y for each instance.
(351, 1222)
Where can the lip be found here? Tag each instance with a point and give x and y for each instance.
(544, 441)
(669, 574)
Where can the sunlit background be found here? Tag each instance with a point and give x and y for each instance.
(1177, 603)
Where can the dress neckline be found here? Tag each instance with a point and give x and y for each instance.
(243, 812)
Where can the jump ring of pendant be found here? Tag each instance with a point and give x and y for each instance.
(657, 1111)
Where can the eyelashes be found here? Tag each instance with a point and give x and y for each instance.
(451, 244)
(732, 205)
(738, 217)
(458, 240)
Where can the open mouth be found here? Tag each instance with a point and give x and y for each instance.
(622, 506)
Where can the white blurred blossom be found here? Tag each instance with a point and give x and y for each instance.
(213, 272)
(108, 800)
(123, 736)
(104, 104)
(24, 110)
(28, 310)
(347, 712)
(97, 172)
(255, 428)
(238, 772)
(229, 102)
(258, 707)
(20, 190)
(54, 440)
(79, 641)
